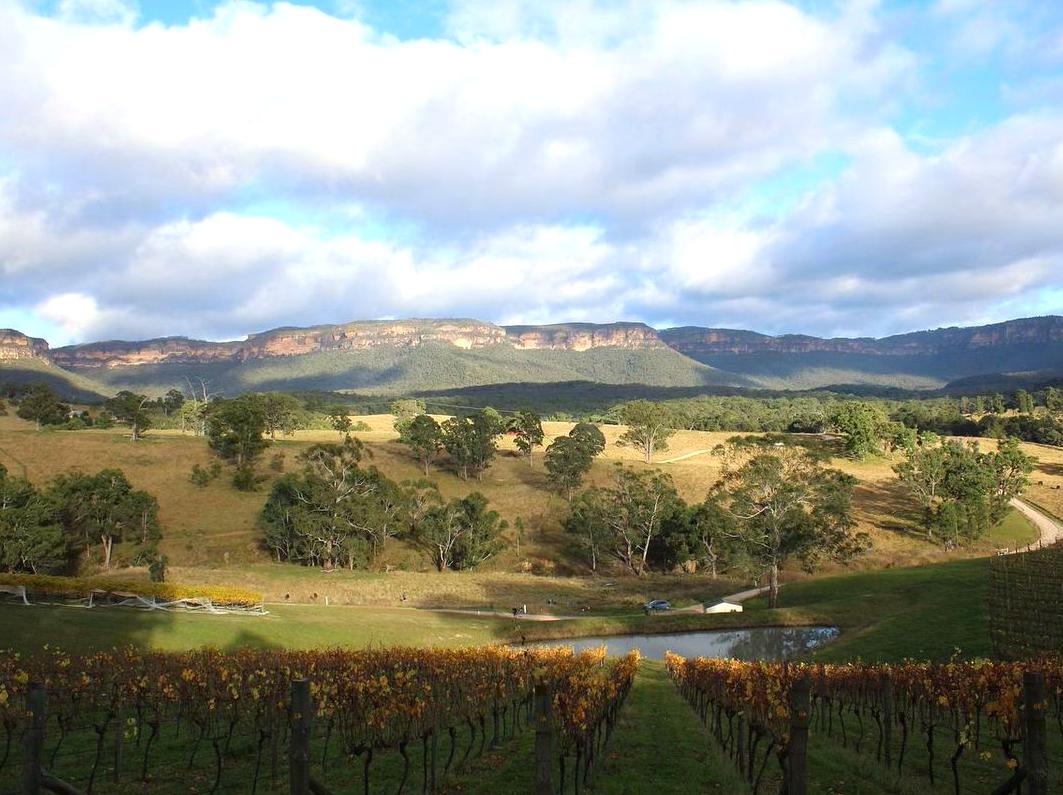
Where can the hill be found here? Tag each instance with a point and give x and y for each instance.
(424, 355)
(917, 360)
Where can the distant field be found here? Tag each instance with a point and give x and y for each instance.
(210, 533)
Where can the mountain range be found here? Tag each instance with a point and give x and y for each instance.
(406, 356)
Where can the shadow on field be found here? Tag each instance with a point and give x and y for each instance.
(888, 507)
(82, 630)
(1052, 470)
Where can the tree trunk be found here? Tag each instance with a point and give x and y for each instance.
(108, 542)
(773, 586)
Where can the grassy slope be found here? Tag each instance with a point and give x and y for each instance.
(210, 533)
(70, 386)
(819, 369)
(389, 370)
(925, 612)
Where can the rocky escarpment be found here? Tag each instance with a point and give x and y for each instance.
(584, 336)
(706, 345)
(15, 345)
(363, 335)
(117, 353)
(359, 336)
(696, 341)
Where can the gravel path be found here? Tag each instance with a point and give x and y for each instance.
(1051, 531)
(684, 457)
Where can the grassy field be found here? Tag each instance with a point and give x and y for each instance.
(214, 528)
(927, 612)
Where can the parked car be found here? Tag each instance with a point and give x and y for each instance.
(657, 604)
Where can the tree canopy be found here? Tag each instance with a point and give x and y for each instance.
(788, 505)
(649, 426)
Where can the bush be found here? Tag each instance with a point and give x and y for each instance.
(199, 476)
(246, 479)
(157, 568)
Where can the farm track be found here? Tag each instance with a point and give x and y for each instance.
(684, 457)
(1051, 531)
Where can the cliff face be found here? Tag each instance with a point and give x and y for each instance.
(284, 342)
(695, 341)
(158, 351)
(691, 341)
(362, 335)
(372, 334)
(583, 336)
(16, 345)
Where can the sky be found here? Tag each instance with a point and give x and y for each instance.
(212, 169)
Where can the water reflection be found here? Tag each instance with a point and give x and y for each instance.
(758, 643)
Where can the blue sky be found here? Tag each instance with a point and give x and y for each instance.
(218, 168)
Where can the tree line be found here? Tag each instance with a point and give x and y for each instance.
(47, 530)
(1033, 417)
(340, 511)
(769, 507)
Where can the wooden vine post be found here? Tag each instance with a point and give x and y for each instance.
(299, 748)
(1035, 750)
(797, 752)
(33, 741)
(544, 739)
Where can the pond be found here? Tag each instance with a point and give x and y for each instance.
(756, 643)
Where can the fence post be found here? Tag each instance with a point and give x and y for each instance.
(1034, 751)
(797, 754)
(544, 739)
(299, 742)
(33, 740)
(887, 718)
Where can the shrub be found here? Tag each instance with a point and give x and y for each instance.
(199, 476)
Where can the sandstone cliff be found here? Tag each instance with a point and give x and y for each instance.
(696, 341)
(692, 341)
(583, 336)
(16, 345)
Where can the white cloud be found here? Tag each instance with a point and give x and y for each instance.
(677, 104)
(549, 161)
(74, 313)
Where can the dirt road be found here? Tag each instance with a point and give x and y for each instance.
(1051, 531)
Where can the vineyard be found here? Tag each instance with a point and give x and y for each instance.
(387, 720)
(100, 591)
(959, 727)
(1026, 603)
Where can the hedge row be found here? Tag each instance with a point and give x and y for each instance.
(168, 591)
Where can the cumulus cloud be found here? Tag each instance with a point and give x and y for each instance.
(679, 103)
(268, 165)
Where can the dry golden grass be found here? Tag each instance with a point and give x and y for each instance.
(495, 590)
(215, 526)
(1046, 483)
